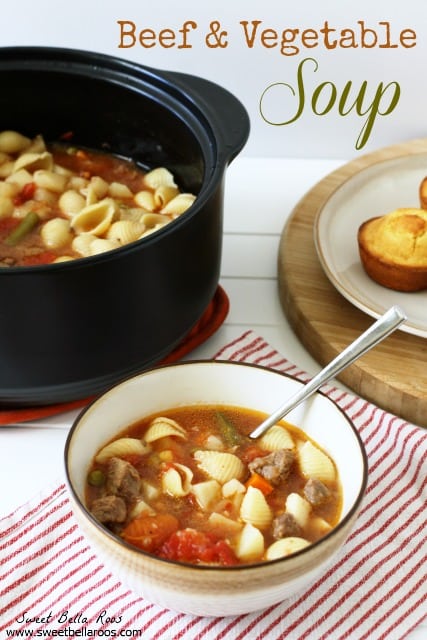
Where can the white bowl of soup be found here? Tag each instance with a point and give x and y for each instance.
(193, 514)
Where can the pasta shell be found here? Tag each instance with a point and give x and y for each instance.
(163, 194)
(250, 546)
(130, 213)
(314, 463)
(34, 161)
(56, 233)
(299, 508)
(148, 232)
(71, 202)
(284, 547)
(121, 447)
(255, 509)
(176, 480)
(220, 466)
(96, 218)
(20, 177)
(81, 244)
(78, 183)
(50, 180)
(119, 190)
(100, 245)
(150, 220)
(6, 169)
(159, 177)
(179, 204)
(62, 171)
(37, 145)
(125, 231)
(99, 188)
(45, 196)
(162, 427)
(8, 189)
(91, 195)
(276, 438)
(145, 200)
(13, 142)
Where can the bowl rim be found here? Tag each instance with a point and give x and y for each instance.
(104, 531)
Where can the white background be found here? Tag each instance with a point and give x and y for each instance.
(93, 25)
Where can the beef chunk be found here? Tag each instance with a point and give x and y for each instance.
(316, 492)
(274, 466)
(109, 509)
(122, 479)
(285, 525)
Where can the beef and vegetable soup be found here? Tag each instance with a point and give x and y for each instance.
(60, 202)
(191, 486)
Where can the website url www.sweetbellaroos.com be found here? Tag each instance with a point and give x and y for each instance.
(74, 633)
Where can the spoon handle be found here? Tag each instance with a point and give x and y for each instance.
(385, 325)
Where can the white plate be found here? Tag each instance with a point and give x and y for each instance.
(373, 191)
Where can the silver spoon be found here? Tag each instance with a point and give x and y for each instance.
(385, 325)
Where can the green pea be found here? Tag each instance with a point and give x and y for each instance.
(96, 478)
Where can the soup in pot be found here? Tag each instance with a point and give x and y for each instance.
(60, 202)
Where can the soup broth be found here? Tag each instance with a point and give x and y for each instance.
(60, 202)
(191, 486)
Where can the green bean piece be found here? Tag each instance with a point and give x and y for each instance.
(26, 225)
(229, 432)
(96, 478)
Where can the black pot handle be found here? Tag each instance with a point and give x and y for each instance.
(222, 108)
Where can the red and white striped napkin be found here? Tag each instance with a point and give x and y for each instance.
(52, 584)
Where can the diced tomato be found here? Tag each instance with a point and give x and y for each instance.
(251, 453)
(26, 193)
(150, 532)
(8, 224)
(225, 553)
(44, 257)
(195, 547)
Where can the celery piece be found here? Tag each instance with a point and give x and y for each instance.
(26, 225)
(229, 432)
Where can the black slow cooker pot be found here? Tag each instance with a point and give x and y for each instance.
(71, 329)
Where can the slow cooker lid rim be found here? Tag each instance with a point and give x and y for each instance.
(125, 73)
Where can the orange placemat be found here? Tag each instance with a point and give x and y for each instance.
(212, 319)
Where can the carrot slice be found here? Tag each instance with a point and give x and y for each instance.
(259, 482)
(149, 532)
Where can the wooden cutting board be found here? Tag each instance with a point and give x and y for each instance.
(394, 374)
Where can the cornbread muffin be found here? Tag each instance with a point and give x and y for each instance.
(393, 249)
(422, 192)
